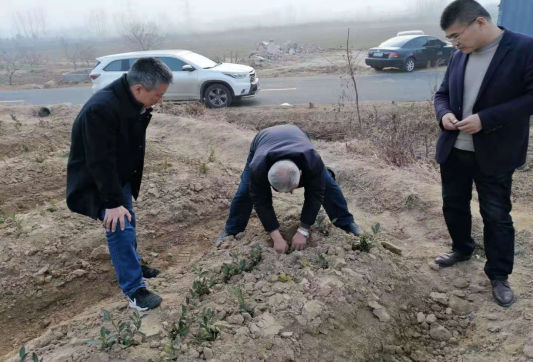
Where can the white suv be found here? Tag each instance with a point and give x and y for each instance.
(195, 76)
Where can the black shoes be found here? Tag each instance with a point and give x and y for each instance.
(502, 292)
(149, 272)
(143, 300)
(353, 228)
(221, 238)
(451, 258)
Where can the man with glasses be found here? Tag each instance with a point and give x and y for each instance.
(483, 108)
(283, 158)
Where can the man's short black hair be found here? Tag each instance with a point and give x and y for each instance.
(463, 12)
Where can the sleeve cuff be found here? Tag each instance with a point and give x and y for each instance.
(305, 226)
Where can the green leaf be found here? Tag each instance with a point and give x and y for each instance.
(22, 353)
(93, 341)
(107, 316)
(34, 357)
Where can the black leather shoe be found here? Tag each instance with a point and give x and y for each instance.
(221, 238)
(451, 258)
(502, 292)
(353, 228)
(149, 272)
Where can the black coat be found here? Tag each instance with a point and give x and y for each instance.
(504, 105)
(107, 150)
(285, 142)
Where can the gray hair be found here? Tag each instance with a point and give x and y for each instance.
(284, 175)
(150, 73)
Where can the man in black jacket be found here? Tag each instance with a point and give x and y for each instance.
(483, 108)
(105, 167)
(283, 158)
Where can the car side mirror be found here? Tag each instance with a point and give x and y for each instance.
(188, 68)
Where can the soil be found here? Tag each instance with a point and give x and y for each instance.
(56, 276)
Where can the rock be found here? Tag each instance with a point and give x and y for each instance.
(430, 319)
(492, 317)
(441, 298)
(152, 327)
(330, 281)
(382, 314)
(39, 279)
(194, 353)
(269, 326)
(434, 266)
(48, 278)
(287, 334)
(79, 272)
(461, 306)
(50, 84)
(208, 353)
(459, 293)
(439, 333)
(312, 309)
(339, 263)
(43, 270)
(100, 253)
(392, 248)
(374, 305)
(253, 328)
(155, 344)
(420, 317)
(235, 319)
(528, 350)
(461, 283)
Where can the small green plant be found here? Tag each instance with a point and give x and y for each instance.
(376, 230)
(124, 331)
(23, 355)
(106, 340)
(234, 268)
(39, 158)
(25, 148)
(208, 332)
(65, 154)
(305, 263)
(322, 224)
(212, 157)
(17, 222)
(202, 285)
(257, 255)
(181, 329)
(203, 168)
(322, 261)
(284, 278)
(166, 164)
(16, 120)
(242, 303)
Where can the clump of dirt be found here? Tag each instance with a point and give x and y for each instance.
(331, 302)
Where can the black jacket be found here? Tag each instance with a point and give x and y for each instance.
(285, 142)
(504, 105)
(107, 150)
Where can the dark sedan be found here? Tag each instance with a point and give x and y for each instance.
(408, 52)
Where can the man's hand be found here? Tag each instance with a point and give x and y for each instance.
(115, 216)
(449, 122)
(299, 242)
(280, 245)
(470, 125)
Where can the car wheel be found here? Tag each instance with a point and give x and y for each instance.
(378, 68)
(218, 96)
(409, 65)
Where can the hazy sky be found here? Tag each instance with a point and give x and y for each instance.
(64, 14)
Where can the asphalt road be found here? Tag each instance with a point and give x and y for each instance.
(389, 85)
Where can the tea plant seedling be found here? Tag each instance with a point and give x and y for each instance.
(208, 332)
(242, 303)
(212, 157)
(202, 285)
(322, 261)
(284, 278)
(23, 355)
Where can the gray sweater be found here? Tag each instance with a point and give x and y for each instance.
(476, 68)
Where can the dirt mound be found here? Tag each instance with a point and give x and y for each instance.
(327, 303)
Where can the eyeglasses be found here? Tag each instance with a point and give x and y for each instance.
(455, 38)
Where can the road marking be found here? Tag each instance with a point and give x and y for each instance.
(11, 101)
(277, 90)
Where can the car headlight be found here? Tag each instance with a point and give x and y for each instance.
(237, 75)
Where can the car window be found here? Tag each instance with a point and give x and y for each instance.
(174, 64)
(421, 42)
(394, 42)
(435, 42)
(130, 62)
(115, 66)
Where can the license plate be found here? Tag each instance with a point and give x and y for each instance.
(378, 55)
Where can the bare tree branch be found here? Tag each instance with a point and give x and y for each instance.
(96, 21)
(71, 52)
(139, 34)
(351, 71)
(12, 62)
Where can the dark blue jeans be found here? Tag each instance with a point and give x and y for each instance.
(458, 174)
(241, 205)
(123, 249)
